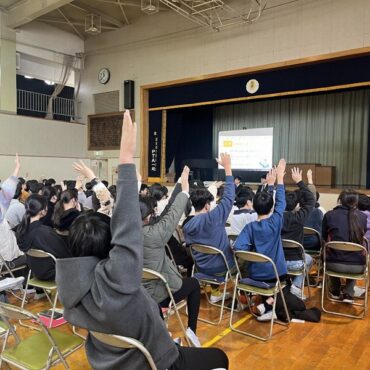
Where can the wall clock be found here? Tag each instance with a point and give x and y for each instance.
(104, 75)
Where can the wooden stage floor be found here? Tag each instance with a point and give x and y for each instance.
(334, 343)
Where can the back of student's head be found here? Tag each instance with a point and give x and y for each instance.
(88, 186)
(33, 186)
(50, 182)
(243, 196)
(65, 197)
(18, 191)
(200, 197)
(34, 204)
(21, 180)
(157, 191)
(363, 202)
(59, 190)
(147, 205)
(49, 192)
(263, 203)
(349, 199)
(105, 183)
(291, 199)
(89, 235)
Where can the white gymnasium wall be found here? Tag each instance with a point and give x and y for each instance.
(47, 148)
(144, 53)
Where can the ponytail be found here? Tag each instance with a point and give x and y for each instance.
(65, 197)
(349, 198)
(35, 203)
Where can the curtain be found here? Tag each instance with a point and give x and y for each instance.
(330, 129)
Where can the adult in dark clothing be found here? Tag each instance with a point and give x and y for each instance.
(106, 293)
(294, 219)
(345, 223)
(32, 233)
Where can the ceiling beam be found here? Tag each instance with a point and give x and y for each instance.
(75, 23)
(71, 24)
(123, 12)
(89, 9)
(28, 10)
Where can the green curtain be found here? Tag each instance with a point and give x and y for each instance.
(330, 129)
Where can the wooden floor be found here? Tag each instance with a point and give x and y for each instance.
(334, 343)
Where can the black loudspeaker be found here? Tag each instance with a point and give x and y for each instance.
(129, 94)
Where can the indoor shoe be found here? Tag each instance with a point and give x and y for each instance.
(359, 292)
(334, 295)
(194, 340)
(266, 316)
(347, 298)
(217, 296)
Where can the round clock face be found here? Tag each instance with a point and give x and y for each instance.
(252, 86)
(103, 75)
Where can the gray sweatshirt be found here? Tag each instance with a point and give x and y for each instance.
(107, 296)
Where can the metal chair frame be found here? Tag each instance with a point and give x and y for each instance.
(258, 258)
(291, 244)
(124, 343)
(149, 274)
(37, 253)
(346, 247)
(316, 255)
(205, 249)
(7, 312)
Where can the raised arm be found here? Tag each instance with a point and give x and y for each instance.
(307, 201)
(221, 213)
(280, 202)
(125, 263)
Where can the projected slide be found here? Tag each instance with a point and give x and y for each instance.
(249, 149)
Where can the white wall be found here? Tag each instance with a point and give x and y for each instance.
(142, 51)
(47, 148)
(42, 48)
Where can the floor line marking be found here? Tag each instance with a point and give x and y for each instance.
(227, 331)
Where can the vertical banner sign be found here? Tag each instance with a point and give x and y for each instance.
(155, 144)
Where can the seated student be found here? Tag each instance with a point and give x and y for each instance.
(50, 193)
(144, 190)
(156, 235)
(314, 220)
(107, 263)
(7, 189)
(16, 209)
(32, 233)
(263, 236)
(245, 212)
(295, 216)
(364, 207)
(344, 223)
(208, 226)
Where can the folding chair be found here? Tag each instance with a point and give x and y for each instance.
(124, 342)
(205, 279)
(349, 248)
(173, 306)
(245, 285)
(44, 285)
(315, 254)
(291, 244)
(41, 350)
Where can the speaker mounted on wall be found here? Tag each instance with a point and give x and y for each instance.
(129, 94)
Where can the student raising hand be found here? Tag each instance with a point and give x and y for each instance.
(296, 175)
(271, 177)
(128, 140)
(185, 179)
(280, 171)
(225, 162)
(17, 166)
(84, 170)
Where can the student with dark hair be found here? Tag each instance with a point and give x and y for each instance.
(50, 193)
(144, 190)
(245, 212)
(16, 209)
(110, 287)
(299, 205)
(208, 226)
(65, 211)
(263, 186)
(32, 233)
(50, 182)
(105, 183)
(263, 236)
(156, 235)
(364, 207)
(345, 223)
(238, 184)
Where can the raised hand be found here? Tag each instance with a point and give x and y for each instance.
(296, 175)
(280, 171)
(128, 139)
(185, 179)
(309, 176)
(84, 170)
(79, 182)
(225, 162)
(271, 177)
(17, 166)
